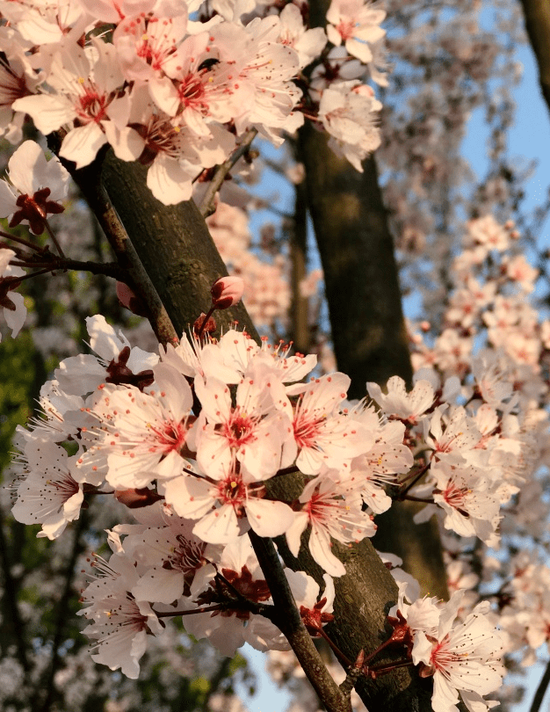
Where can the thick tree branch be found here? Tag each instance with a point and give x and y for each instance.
(89, 181)
(173, 245)
(537, 24)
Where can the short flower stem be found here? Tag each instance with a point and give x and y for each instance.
(204, 321)
(339, 654)
(414, 479)
(171, 614)
(378, 650)
(207, 206)
(21, 241)
(385, 668)
(54, 239)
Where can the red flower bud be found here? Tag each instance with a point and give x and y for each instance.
(226, 292)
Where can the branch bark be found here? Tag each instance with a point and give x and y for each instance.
(537, 24)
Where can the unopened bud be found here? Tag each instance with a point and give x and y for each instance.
(137, 498)
(128, 298)
(226, 292)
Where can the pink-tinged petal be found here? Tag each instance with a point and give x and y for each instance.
(174, 390)
(165, 96)
(294, 533)
(82, 144)
(309, 461)
(261, 459)
(159, 585)
(16, 319)
(189, 496)
(70, 372)
(47, 112)
(213, 453)
(127, 144)
(7, 200)
(445, 696)
(215, 399)
(320, 547)
(269, 518)
(169, 181)
(219, 527)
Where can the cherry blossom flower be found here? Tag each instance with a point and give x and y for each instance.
(322, 434)
(464, 658)
(357, 24)
(308, 43)
(227, 506)
(173, 554)
(12, 303)
(36, 187)
(236, 574)
(348, 111)
(332, 509)
(121, 623)
(253, 432)
(397, 403)
(48, 494)
(142, 434)
(85, 82)
(116, 362)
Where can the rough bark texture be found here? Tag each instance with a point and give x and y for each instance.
(368, 331)
(173, 244)
(537, 24)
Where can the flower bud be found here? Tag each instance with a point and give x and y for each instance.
(137, 498)
(226, 292)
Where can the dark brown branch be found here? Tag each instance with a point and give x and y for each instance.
(537, 24)
(298, 257)
(364, 299)
(207, 206)
(173, 245)
(292, 626)
(90, 183)
(58, 264)
(541, 690)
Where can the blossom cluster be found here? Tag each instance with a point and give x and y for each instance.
(191, 441)
(177, 85)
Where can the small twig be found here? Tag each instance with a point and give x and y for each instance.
(89, 181)
(207, 206)
(22, 241)
(54, 239)
(288, 619)
(414, 478)
(206, 609)
(109, 269)
(541, 690)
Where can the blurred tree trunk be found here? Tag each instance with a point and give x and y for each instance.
(364, 298)
(537, 24)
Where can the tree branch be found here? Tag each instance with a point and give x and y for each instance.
(292, 626)
(541, 690)
(537, 24)
(206, 208)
